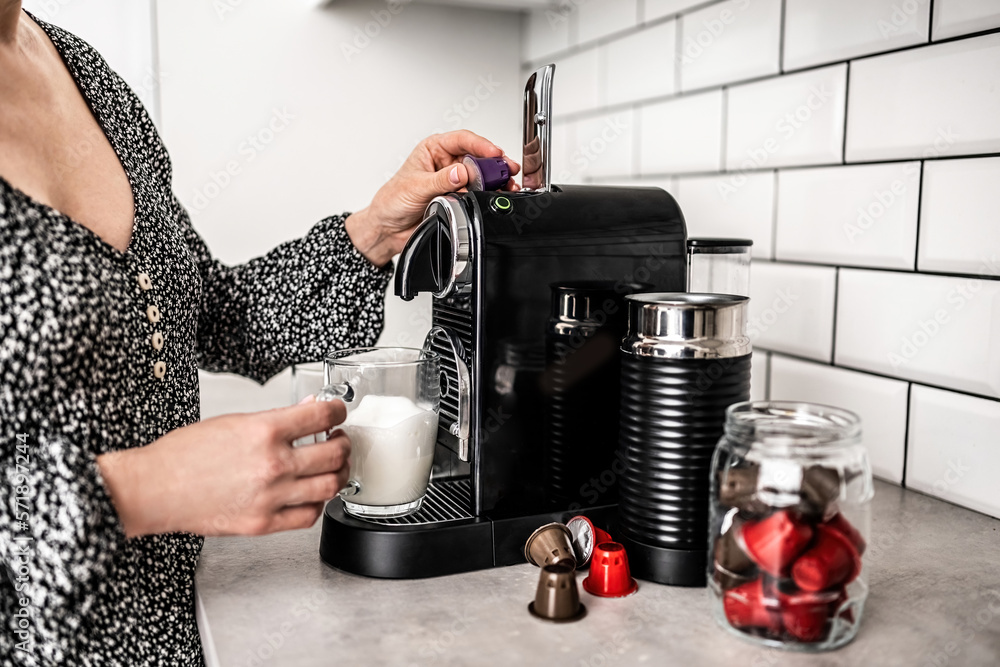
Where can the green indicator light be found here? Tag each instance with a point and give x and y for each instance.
(502, 203)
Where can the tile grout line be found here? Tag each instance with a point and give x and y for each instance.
(906, 432)
(847, 109)
(781, 38)
(774, 217)
(752, 80)
(865, 371)
(724, 132)
(920, 205)
(622, 34)
(836, 309)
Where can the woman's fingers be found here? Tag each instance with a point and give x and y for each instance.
(460, 142)
(316, 489)
(296, 517)
(307, 418)
(323, 457)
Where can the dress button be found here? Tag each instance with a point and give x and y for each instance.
(153, 313)
(157, 340)
(160, 369)
(144, 282)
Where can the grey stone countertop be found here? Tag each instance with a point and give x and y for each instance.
(934, 573)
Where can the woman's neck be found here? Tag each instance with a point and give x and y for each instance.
(10, 18)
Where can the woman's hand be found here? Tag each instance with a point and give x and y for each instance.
(433, 168)
(231, 475)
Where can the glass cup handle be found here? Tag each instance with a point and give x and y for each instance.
(333, 392)
(343, 392)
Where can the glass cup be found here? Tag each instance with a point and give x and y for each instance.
(307, 380)
(392, 396)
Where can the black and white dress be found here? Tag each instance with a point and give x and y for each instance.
(99, 351)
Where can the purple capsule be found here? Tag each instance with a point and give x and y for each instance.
(486, 173)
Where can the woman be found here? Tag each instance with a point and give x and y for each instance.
(109, 302)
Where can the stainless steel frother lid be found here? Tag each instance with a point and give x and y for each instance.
(681, 325)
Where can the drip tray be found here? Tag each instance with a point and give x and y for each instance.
(447, 500)
(442, 538)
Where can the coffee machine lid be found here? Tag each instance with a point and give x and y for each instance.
(687, 325)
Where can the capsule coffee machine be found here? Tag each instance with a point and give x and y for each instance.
(503, 267)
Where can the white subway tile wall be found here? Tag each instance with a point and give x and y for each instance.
(791, 120)
(730, 41)
(858, 215)
(720, 205)
(961, 17)
(820, 31)
(861, 153)
(960, 217)
(641, 65)
(604, 145)
(682, 135)
(941, 99)
(792, 308)
(658, 8)
(598, 18)
(880, 402)
(953, 450)
(937, 330)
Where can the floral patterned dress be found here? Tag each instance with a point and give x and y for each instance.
(99, 351)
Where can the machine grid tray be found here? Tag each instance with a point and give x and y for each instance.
(447, 500)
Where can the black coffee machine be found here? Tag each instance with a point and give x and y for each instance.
(511, 274)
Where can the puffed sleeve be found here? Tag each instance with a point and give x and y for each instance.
(294, 304)
(59, 531)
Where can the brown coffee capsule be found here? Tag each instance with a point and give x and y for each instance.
(550, 545)
(819, 491)
(557, 597)
(738, 488)
(728, 553)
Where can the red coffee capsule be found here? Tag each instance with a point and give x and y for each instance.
(586, 536)
(806, 615)
(609, 574)
(840, 522)
(745, 607)
(830, 562)
(773, 543)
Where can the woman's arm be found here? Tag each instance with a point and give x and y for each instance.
(231, 475)
(326, 290)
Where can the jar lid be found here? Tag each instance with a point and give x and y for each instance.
(719, 246)
(687, 325)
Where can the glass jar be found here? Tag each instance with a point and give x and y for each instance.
(789, 521)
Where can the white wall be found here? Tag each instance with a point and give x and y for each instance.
(121, 30)
(358, 105)
(857, 143)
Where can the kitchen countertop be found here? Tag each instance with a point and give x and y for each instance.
(934, 572)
